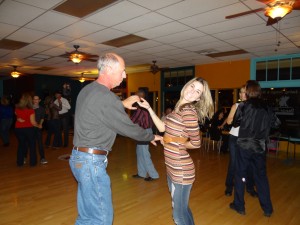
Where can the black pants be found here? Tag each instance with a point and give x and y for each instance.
(257, 161)
(39, 140)
(65, 121)
(26, 139)
(232, 167)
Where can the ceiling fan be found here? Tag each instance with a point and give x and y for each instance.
(275, 10)
(154, 68)
(83, 78)
(77, 56)
(15, 73)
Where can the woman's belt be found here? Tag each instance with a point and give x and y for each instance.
(168, 139)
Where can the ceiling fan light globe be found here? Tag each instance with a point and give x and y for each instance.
(76, 58)
(278, 11)
(15, 74)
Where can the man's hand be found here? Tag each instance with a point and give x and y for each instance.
(157, 138)
(128, 102)
(20, 120)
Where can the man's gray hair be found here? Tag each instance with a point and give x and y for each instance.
(107, 60)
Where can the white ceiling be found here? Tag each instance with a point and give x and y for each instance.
(176, 30)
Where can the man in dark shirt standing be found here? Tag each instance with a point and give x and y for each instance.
(99, 117)
(144, 163)
(39, 118)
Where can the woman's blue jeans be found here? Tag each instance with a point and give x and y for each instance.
(180, 194)
(94, 200)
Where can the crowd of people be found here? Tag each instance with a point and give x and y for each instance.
(100, 116)
(29, 117)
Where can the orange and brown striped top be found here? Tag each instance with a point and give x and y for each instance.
(179, 164)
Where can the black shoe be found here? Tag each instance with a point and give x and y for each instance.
(149, 179)
(253, 193)
(137, 176)
(228, 193)
(267, 214)
(232, 206)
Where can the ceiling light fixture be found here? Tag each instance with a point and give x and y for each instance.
(76, 58)
(81, 79)
(278, 11)
(154, 68)
(15, 73)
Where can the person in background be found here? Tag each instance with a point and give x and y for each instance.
(144, 163)
(181, 133)
(64, 116)
(53, 122)
(6, 120)
(167, 111)
(66, 92)
(232, 142)
(255, 119)
(39, 118)
(24, 129)
(99, 117)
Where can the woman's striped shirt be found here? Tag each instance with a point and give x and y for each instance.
(180, 166)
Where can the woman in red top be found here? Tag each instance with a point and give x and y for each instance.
(181, 133)
(25, 121)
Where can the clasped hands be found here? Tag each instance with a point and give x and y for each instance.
(128, 103)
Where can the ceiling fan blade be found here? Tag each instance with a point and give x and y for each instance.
(272, 21)
(91, 60)
(296, 5)
(244, 13)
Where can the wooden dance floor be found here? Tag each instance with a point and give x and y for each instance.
(46, 194)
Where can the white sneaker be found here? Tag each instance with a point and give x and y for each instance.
(44, 161)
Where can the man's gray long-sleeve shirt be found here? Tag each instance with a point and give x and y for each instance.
(100, 116)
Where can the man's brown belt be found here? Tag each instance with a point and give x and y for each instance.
(91, 150)
(168, 139)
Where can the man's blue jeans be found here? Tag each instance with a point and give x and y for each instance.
(94, 200)
(180, 194)
(144, 163)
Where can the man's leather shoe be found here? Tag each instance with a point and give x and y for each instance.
(137, 176)
(232, 206)
(149, 179)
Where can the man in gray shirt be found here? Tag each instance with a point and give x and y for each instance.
(99, 117)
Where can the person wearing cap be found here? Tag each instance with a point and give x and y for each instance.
(64, 116)
(99, 117)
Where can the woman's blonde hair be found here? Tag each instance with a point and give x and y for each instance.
(205, 106)
(25, 102)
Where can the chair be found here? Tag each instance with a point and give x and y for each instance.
(293, 138)
(205, 139)
(273, 144)
(215, 136)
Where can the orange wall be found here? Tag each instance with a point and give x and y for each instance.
(225, 74)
